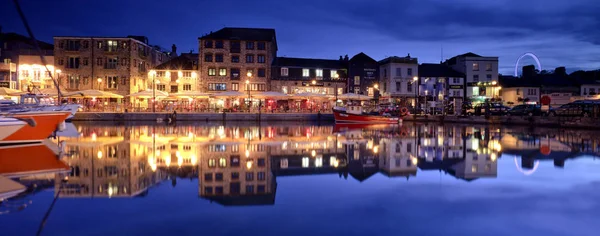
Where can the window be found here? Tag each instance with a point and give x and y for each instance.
(208, 190)
(257, 87)
(217, 87)
(212, 71)
(234, 46)
(61, 62)
(73, 82)
(455, 80)
(356, 80)
(222, 72)
(219, 190)
(475, 78)
(218, 57)
(261, 189)
(305, 73)
(112, 82)
(260, 58)
(219, 44)
(112, 46)
(384, 72)
(218, 176)
(208, 177)
(72, 45)
(208, 44)
(357, 90)
(474, 168)
(488, 67)
(100, 44)
(398, 71)
(85, 61)
(208, 57)
(409, 71)
(488, 76)
(111, 63)
(398, 86)
(235, 59)
(73, 63)
(187, 74)
(409, 147)
(123, 61)
(174, 88)
(235, 86)
(334, 74)
(99, 61)
(222, 162)
(160, 74)
(284, 71)
(261, 72)
(261, 45)
(398, 148)
(249, 58)
(319, 72)
(235, 175)
(249, 189)
(235, 73)
(534, 91)
(161, 87)
(249, 176)
(250, 45)
(475, 66)
(86, 44)
(187, 87)
(409, 87)
(260, 176)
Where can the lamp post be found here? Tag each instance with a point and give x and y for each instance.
(99, 81)
(249, 75)
(58, 82)
(415, 81)
(153, 73)
(376, 90)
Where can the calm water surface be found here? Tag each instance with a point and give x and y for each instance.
(289, 179)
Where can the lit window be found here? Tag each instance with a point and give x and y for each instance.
(475, 66)
(222, 162)
(212, 163)
(474, 168)
(357, 80)
(212, 71)
(284, 163)
(319, 72)
(305, 161)
(284, 71)
(222, 72)
(334, 74)
(305, 73)
(112, 46)
(318, 162)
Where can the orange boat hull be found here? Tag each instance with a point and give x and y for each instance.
(45, 124)
(348, 118)
(32, 159)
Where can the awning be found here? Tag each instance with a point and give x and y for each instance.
(92, 93)
(229, 94)
(9, 92)
(308, 95)
(273, 95)
(189, 94)
(149, 94)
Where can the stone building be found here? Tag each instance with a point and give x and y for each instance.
(363, 74)
(231, 56)
(177, 75)
(20, 63)
(298, 75)
(115, 64)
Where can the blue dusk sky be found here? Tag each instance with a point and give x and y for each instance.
(560, 33)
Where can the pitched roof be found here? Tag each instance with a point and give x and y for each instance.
(308, 62)
(395, 59)
(11, 37)
(362, 57)
(179, 63)
(256, 34)
(437, 70)
(511, 82)
(468, 54)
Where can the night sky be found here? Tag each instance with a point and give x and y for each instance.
(561, 33)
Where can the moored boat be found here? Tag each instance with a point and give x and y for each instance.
(355, 115)
(35, 126)
(37, 102)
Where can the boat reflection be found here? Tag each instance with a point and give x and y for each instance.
(240, 165)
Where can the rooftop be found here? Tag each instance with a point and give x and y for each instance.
(437, 70)
(362, 57)
(395, 59)
(182, 62)
(254, 34)
(12, 37)
(308, 62)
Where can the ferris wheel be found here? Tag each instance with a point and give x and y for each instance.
(527, 54)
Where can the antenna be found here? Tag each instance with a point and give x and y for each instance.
(441, 53)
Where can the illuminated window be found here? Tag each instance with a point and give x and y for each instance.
(222, 72)
(305, 161)
(212, 71)
(235, 87)
(112, 46)
(334, 74)
(284, 163)
(212, 163)
(319, 72)
(111, 82)
(475, 66)
(187, 87)
(222, 162)
(474, 168)
(319, 162)
(305, 73)
(356, 80)
(187, 74)
(284, 71)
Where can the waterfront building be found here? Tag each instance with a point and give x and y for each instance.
(116, 64)
(20, 63)
(363, 74)
(308, 75)
(231, 56)
(441, 87)
(178, 76)
(399, 79)
(558, 87)
(515, 91)
(481, 75)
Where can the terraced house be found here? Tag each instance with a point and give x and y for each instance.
(116, 64)
(231, 56)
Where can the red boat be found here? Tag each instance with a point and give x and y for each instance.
(354, 115)
(42, 125)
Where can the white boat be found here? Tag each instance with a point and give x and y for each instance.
(37, 102)
(9, 126)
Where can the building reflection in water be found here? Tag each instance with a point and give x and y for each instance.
(239, 165)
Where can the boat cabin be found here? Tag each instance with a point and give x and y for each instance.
(35, 99)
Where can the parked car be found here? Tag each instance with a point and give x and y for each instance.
(525, 110)
(585, 108)
(495, 109)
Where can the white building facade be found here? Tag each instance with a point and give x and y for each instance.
(399, 77)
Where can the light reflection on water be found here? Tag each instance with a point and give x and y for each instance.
(301, 171)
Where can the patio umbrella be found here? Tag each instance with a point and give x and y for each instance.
(354, 96)
(229, 94)
(149, 94)
(273, 95)
(189, 94)
(310, 95)
(9, 92)
(92, 93)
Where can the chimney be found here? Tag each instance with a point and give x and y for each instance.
(174, 50)
(408, 56)
(346, 57)
(341, 58)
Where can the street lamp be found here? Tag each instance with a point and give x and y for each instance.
(58, 82)
(153, 73)
(415, 81)
(99, 81)
(249, 74)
